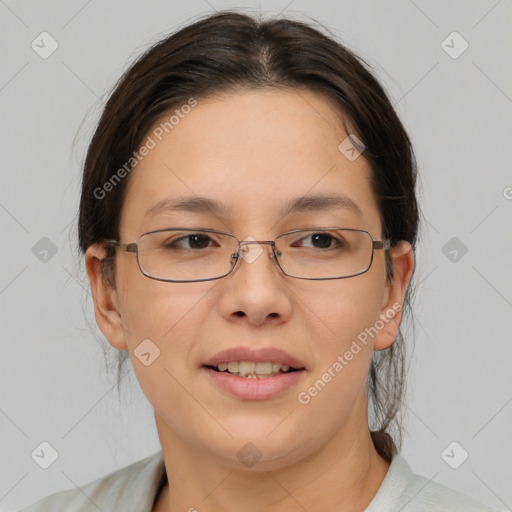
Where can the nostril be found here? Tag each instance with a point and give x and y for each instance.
(240, 313)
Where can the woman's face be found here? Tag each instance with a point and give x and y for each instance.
(254, 152)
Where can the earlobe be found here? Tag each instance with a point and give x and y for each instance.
(391, 314)
(106, 308)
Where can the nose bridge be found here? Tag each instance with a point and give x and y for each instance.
(259, 242)
(249, 257)
(242, 246)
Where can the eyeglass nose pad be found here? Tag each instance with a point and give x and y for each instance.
(245, 248)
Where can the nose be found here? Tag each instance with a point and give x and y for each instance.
(254, 290)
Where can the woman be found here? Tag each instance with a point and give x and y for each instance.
(248, 219)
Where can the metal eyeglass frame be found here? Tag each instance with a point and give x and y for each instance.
(133, 248)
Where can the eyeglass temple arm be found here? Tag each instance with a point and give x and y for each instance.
(382, 244)
(131, 247)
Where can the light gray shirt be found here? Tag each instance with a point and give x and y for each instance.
(135, 487)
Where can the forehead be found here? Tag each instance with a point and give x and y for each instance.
(254, 153)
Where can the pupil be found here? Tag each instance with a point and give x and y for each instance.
(326, 239)
(198, 241)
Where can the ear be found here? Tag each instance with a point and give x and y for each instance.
(106, 304)
(393, 300)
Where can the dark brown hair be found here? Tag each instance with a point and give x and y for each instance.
(230, 51)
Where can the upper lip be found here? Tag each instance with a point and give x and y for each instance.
(275, 355)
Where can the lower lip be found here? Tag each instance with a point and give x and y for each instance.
(254, 389)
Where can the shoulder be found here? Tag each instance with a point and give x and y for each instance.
(405, 491)
(130, 488)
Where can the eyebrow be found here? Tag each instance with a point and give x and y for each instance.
(319, 202)
(206, 205)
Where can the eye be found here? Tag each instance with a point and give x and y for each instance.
(319, 240)
(189, 241)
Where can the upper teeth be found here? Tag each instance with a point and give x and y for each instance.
(243, 368)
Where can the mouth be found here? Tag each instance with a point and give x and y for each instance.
(252, 369)
(254, 363)
(254, 374)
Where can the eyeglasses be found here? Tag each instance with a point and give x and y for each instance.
(186, 255)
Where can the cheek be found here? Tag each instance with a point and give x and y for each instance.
(154, 309)
(349, 342)
(344, 347)
(161, 322)
(163, 319)
(173, 316)
(343, 310)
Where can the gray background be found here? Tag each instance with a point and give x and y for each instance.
(53, 382)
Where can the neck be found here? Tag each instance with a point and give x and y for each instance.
(345, 474)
